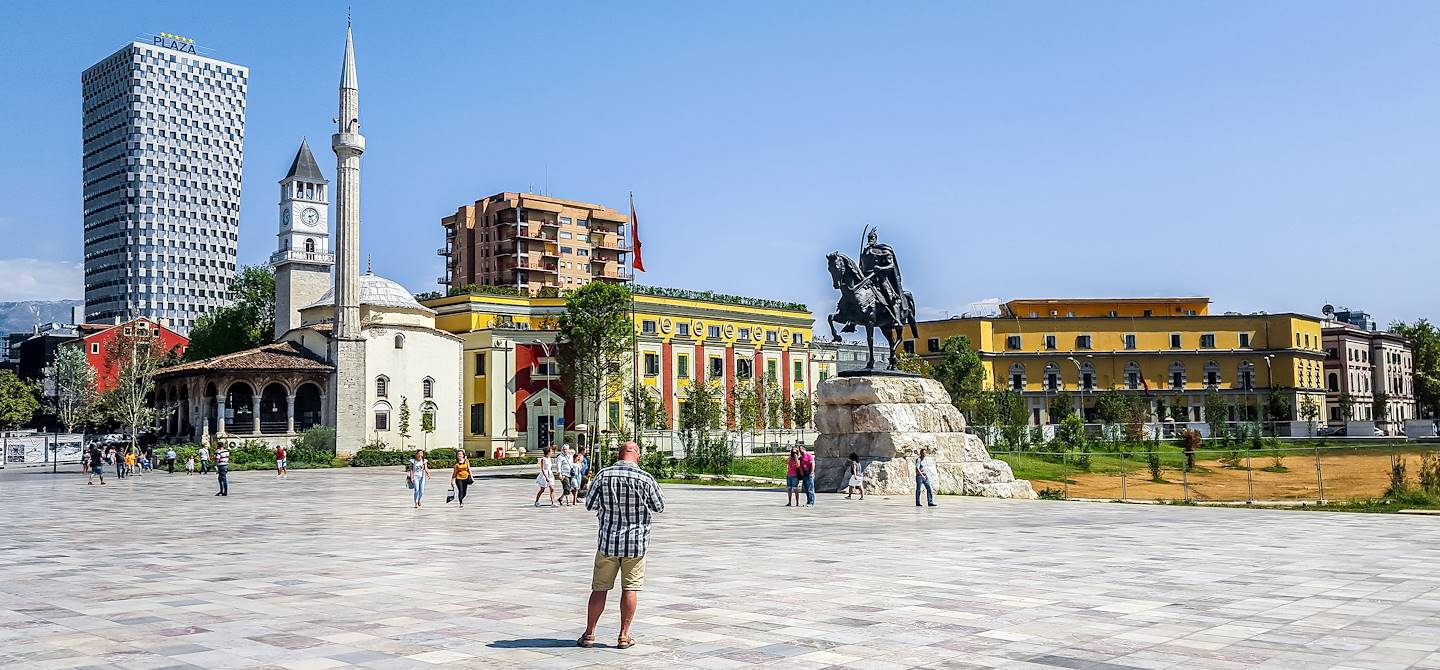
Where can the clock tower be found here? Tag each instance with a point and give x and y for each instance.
(303, 261)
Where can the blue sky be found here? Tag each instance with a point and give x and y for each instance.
(1275, 156)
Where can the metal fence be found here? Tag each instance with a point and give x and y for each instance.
(1281, 474)
(742, 443)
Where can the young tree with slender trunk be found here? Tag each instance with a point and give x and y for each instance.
(74, 386)
(595, 336)
(136, 360)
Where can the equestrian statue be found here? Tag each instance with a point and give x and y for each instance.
(871, 295)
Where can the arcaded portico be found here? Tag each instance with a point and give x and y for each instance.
(276, 390)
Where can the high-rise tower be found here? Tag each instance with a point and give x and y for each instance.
(303, 260)
(163, 134)
(348, 346)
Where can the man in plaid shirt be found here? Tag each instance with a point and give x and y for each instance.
(625, 497)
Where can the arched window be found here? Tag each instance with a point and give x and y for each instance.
(1052, 377)
(382, 416)
(1132, 376)
(309, 246)
(427, 417)
(1212, 374)
(428, 387)
(1017, 377)
(1177, 375)
(399, 340)
(382, 387)
(1245, 376)
(1087, 376)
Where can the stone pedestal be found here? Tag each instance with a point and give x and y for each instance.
(886, 421)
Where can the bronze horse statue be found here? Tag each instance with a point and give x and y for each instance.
(862, 303)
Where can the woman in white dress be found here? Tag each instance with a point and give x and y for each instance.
(546, 479)
(857, 478)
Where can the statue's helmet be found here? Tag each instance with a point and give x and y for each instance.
(874, 236)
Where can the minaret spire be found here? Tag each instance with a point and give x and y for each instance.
(348, 346)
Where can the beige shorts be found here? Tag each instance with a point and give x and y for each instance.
(631, 571)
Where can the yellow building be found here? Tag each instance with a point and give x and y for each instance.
(515, 397)
(1170, 349)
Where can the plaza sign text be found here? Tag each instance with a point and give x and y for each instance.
(176, 42)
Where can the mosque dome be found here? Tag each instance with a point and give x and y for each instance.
(376, 291)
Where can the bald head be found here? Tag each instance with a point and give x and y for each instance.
(630, 452)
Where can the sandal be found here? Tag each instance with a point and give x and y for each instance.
(624, 642)
(587, 641)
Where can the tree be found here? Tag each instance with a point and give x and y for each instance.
(1060, 406)
(404, 420)
(136, 360)
(244, 324)
(652, 412)
(913, 364)
(74, 386)
(595, 335)
(1380, 407)
(1276, 406)
(960, 370)
(749, 405)
(1011, 414)
(1310, 411)
(427, 423)
(803, 411)
(701, 415)
(1424, 341)
(19, 400)
(1216, 412)
(1347, 406)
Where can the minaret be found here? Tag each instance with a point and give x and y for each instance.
(348, 144)
(348, 385)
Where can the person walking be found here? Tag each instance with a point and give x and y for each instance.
(461, 476)
(280, 470)
(625, 498)
(546, 479)
(564, 469)
(130, 462)
(204, 460)
(113, 454)
(419, 472)
(807, 476)
(170, 459)
(792, 479)
(222, 469)
(577, 477)
(584, 454)
(924, 475)
(857, 478)
(97, 465)
(190, 465)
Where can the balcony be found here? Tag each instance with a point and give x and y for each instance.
(549, 251)
(622, 273)
(296, 255)
(443, 281)
(527, 264)
(442, 251)
(609, 242)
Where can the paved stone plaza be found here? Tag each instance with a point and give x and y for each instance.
(333, 569)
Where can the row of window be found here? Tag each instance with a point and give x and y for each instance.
(744, 367)
(382, 387)
(1134, 378)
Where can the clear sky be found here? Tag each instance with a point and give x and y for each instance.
(1274, 156)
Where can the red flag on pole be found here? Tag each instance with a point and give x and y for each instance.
(635, 261)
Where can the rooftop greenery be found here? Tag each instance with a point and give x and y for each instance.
(711, 296)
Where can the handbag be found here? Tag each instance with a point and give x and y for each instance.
(450, 494)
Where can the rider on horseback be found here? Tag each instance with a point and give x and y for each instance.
(878, 264)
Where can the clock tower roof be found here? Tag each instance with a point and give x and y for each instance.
(304, 166)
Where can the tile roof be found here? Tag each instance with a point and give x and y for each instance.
(274, 356)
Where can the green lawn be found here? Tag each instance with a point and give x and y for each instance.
(760, 466)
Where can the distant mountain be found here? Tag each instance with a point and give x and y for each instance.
(24, 315)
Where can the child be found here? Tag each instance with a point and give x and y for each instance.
(190, 465)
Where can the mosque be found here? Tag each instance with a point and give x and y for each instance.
(352, 351)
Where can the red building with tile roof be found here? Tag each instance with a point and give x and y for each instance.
(97, 339)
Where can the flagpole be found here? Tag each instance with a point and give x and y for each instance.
(634, 338)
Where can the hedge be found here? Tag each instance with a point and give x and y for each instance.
(438, 458)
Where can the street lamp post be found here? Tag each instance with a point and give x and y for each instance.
(1080, 384)
(1270, 387)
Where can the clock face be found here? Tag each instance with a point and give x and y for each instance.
(310, 216)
